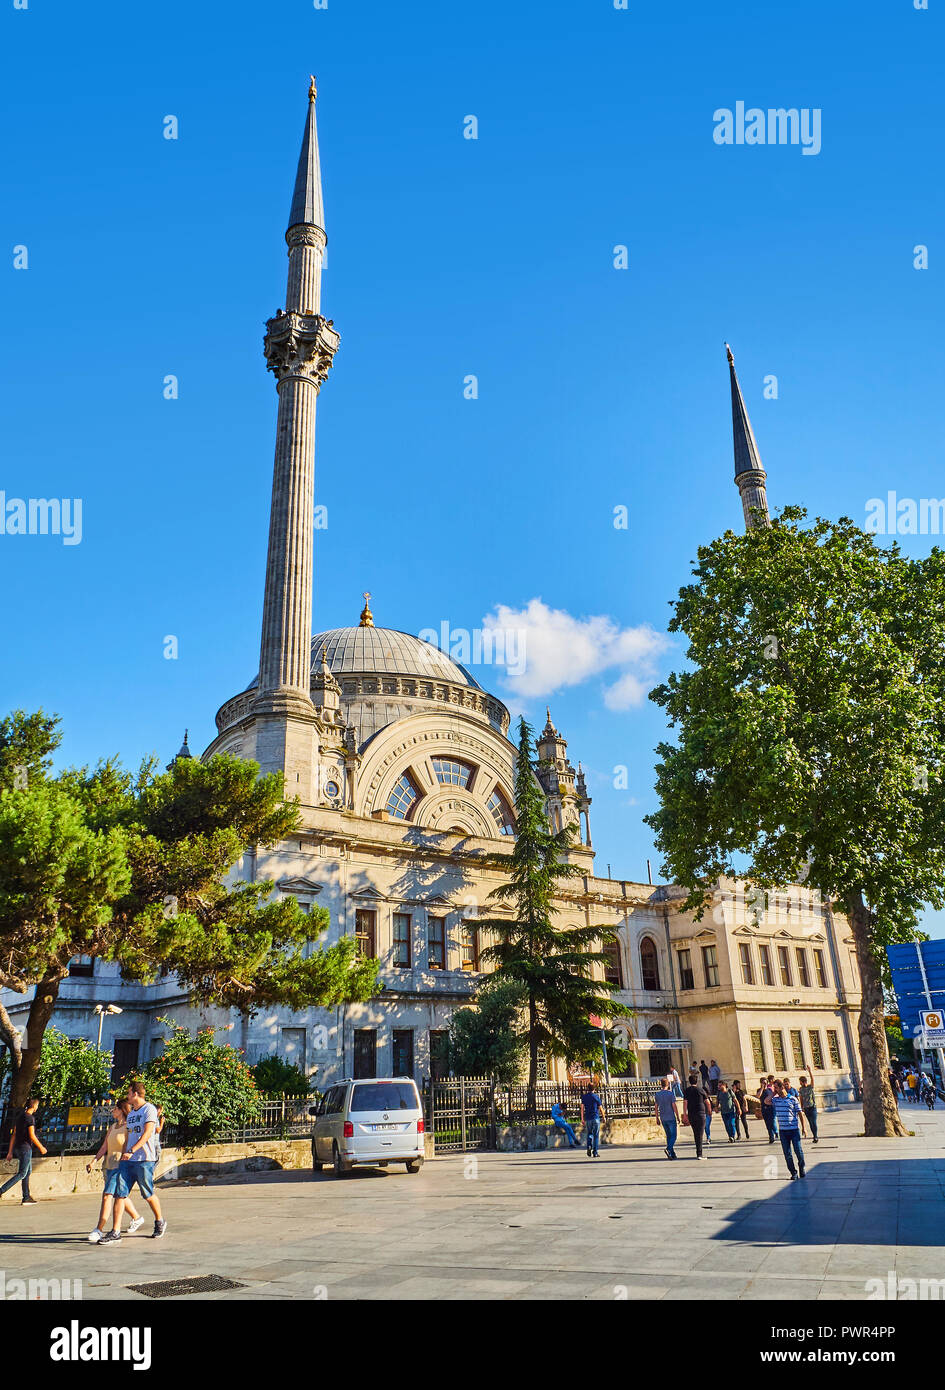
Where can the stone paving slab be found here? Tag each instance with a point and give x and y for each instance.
(550, 1226)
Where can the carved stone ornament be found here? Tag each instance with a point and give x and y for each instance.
(300, 345)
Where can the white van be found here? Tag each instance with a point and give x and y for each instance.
(373, 1122)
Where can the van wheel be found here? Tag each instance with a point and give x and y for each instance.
(414, 1165)
(339, 1167)
(317, 1164)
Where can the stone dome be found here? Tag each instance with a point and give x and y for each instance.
(383, 651)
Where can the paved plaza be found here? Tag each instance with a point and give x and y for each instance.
(551, 1225)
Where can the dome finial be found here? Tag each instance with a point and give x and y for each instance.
(367, 617)
(312, 90)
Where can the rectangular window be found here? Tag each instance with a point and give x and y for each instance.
(436, 943)
(365, 1053)
(797, 1049)
(833, 1048)
(612, 972)
(748, 974)
(758, 1050)
(124, 1057)
(766, 976)
(439, 1053)
(710, 965)
(402, 940)
(816, 1053)
(470, 959)
(820, 965)
(802, 970)
(686, 977)
(82, 966)
(364, 932)
(784, 965)
(402, 1051)
(777, 1047)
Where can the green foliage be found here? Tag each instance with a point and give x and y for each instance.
(71, 1070)
(140, 870)
(277, 1076)
(205, 1087)
(487, 1039)
(550, 965)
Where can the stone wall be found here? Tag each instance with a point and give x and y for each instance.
(527, 1138)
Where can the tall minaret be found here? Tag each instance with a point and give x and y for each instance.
(299, 347)
(750, 477)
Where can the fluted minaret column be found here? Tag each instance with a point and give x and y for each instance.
(750, 477)
(299, 347)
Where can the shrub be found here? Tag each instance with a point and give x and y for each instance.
(71, 1070)
(277, 1076)
(205, 1087)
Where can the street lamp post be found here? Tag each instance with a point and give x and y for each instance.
(102, 1010)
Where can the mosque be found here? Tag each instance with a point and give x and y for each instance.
(404, 770)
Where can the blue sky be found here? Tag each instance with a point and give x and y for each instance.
(448, 257)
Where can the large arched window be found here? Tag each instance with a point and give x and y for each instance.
(649, 964)
(451, 773)
(501, 813)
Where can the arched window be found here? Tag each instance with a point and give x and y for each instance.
(404, 795)
(452, 773)
(649, 965)
(660, 1062)
(501, 813)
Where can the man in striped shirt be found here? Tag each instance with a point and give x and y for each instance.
(788, 1114)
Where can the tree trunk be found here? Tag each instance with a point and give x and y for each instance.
(41, 1011)
(531, 1098)
(880, 1111)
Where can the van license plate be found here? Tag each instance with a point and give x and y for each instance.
(377, 1127)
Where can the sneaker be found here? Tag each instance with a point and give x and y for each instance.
(803, 1172)
(816, 1141)
(159, 1228)
(667, 1153)
(110, 1238)
(95, 1236)
(133, 1226)
(28, 1202)
(703, 1158)
(793, 1177)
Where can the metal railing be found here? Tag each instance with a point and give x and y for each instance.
(278, 1117)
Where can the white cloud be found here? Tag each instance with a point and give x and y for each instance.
(561, 650)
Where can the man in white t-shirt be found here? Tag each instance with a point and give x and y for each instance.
(137, 1162)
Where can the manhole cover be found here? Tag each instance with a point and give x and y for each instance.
(174, 1288)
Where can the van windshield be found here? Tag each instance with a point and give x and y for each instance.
(383, 1095)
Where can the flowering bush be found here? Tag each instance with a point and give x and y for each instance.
(205, 1087)
(71, 1070)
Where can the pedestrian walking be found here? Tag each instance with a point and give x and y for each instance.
(675, 1083)
(23, 1140)
(808, 1098)
(137, 1163)
(697, 1105)
(912, 1083)
(729, 1110)
(766, 1096)
(668, 1114)
(787, 1111)
(592, 1112)
(743, 1103)
(793, 1091)
(111, 1151)
(715, 1075)
(704, 1073)
(561, 1122)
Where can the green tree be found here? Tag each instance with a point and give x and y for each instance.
(277, 1076)
(810, 738)
(71, 1070)
(142, 870)
(487, 1038)
(552, 966)
(205, 1087)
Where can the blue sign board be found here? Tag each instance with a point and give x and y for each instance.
(909, 985)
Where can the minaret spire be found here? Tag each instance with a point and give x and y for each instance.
(750, 476)
(299, 347)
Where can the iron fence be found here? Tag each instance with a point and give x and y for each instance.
(464, 1112)
(279, 1117)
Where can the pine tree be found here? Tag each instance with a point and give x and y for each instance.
(552, 966)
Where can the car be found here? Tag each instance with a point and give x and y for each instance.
(369, 1122)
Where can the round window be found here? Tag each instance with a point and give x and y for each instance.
(332, 788)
